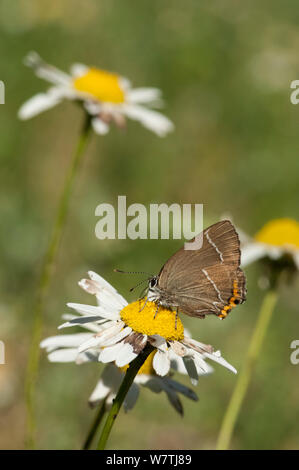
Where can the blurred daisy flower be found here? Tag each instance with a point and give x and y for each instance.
(278, 239)
(106, 96)
(118, 332)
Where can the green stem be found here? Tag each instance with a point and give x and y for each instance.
(95, 425)
(44, 282)
(236, 401)
(123, 390)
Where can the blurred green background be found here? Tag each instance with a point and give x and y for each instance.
(225, 69)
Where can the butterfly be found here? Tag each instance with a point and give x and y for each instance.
(204, 281)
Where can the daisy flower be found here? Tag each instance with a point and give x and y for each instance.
(64, 349)
(106, 96)
(118, 332)
(277, 240)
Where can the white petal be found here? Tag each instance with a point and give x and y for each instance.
(175, 401)
(84, 309)
(161, 363)
(216, 357)
(122, 353)
(125, 83)
(110, 302)
(99, 339)
(244, 237)
(158, 384)
(99, 393)
(252, 252)
(111, 335)
(77, 70)
(112, 377)
(46, 71)
(178, 348)
(187, 333)
(177, 363)
(150, 381)
(64, 341)
(116, 338)
(186, 391)
(202, 366)
(205, 369)
(276, 252)
(144, 95)
(63, 355)
(102, 282)
(197, 346)
(94, 327)
(125, 355)
(296, 258)
(89, 310)
(110, 381)
(131, 397)
(191, 369)
(81, 321)
(109, 353)
(92, 342)
(99, 126)
(158, 342)
(93, 107)
(89, 286)
(39, 103)
(87, 356)
(150, 119)
(107, 297)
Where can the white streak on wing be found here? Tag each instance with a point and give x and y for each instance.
(214, 245)
(214, 285)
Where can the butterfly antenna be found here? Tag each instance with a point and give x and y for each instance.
(134, 272)
(131, 272)
(137, 285)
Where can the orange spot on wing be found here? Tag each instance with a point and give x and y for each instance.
(231, 303)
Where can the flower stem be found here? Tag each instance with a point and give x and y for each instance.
(236, 401)
(123, 390)
(95, 425)
(44, 282)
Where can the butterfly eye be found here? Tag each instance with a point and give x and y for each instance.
(153, 282)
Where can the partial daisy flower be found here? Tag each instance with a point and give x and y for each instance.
(106, 96)
(121, 331)
(64, 349)
(278, 239)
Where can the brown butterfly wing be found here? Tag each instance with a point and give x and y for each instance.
(207, 280)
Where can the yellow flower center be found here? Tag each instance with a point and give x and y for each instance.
(102, 85)
(280, 232)
(146, 368)
(150, 322)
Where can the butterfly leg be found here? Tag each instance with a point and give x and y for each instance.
(158, 306)
(176, 317)
(145, 302)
